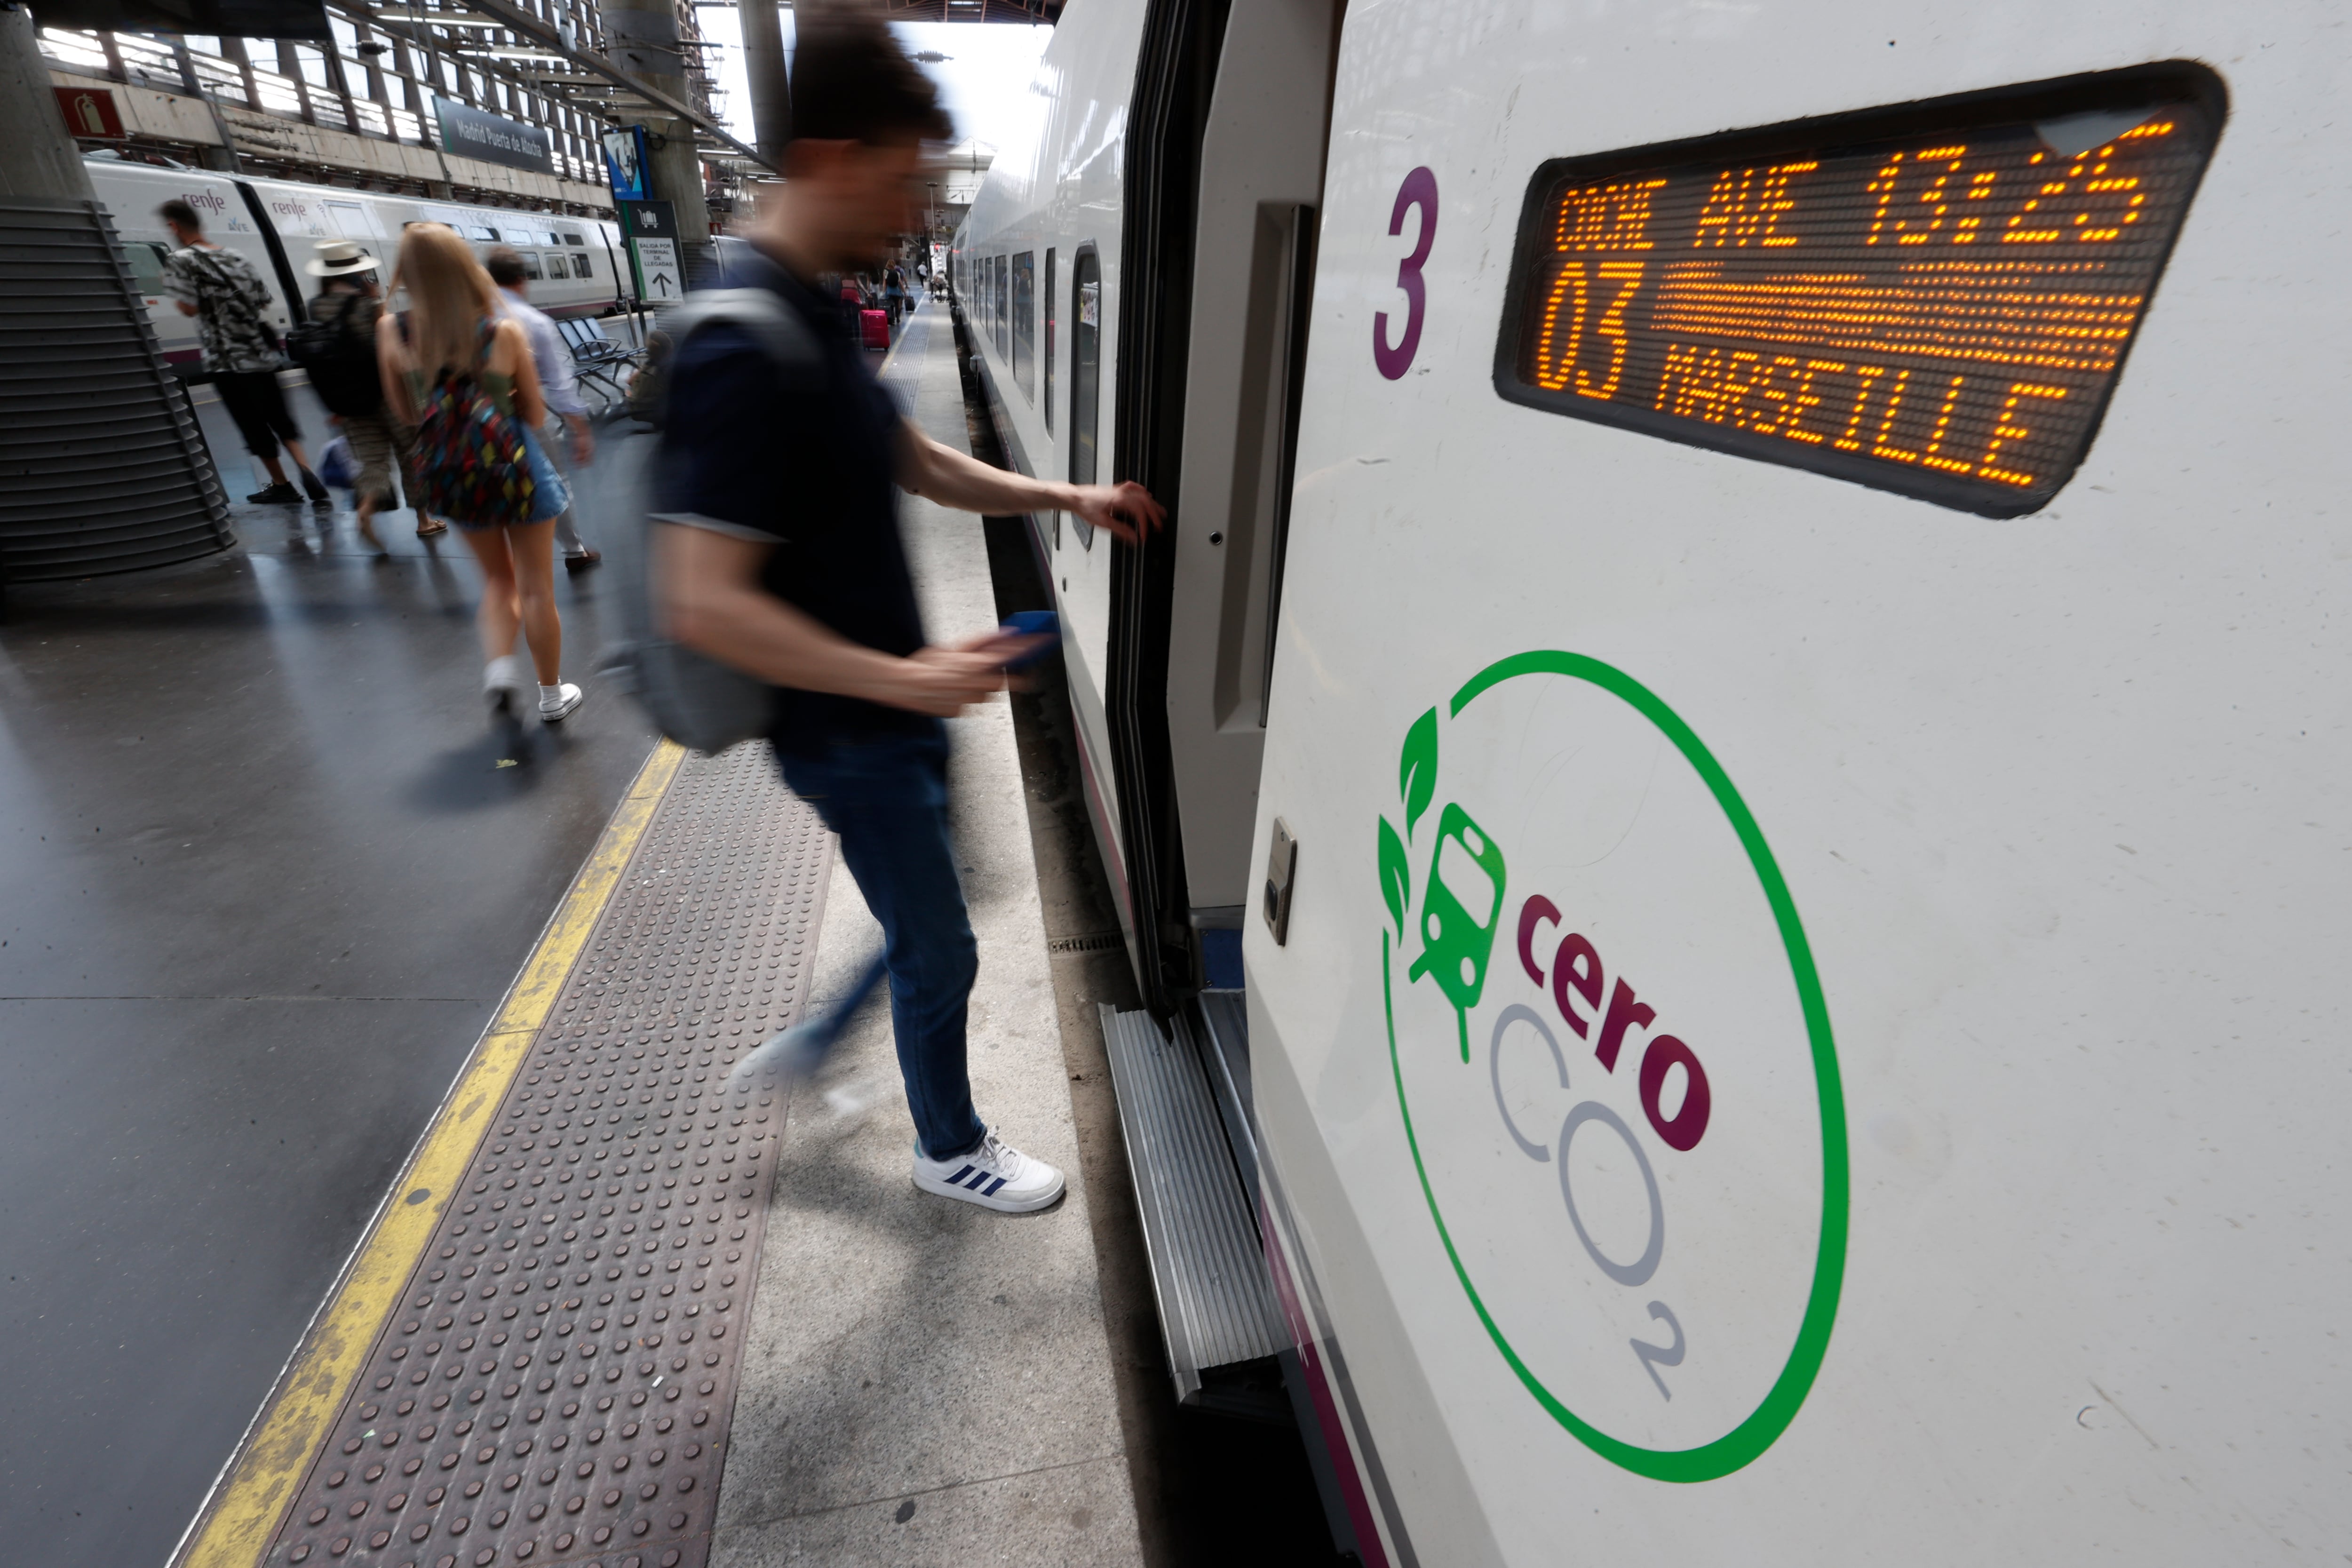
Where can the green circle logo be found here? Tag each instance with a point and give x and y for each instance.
(1614, 1065)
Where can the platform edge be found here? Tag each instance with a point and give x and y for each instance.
(243, 1510)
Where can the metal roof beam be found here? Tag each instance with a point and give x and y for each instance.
(524, 24)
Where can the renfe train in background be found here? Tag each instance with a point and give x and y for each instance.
(274, 223)
(1752, 652)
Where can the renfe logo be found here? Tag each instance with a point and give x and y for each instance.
(1627, 1123)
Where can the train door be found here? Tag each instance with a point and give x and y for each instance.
(1224, 171)
(293, 219)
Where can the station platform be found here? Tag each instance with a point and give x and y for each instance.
(381, 1067)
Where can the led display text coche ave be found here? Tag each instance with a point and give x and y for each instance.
(1941, 312)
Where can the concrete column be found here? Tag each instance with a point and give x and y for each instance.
(38, 157)
(642, 38)
(771, 91)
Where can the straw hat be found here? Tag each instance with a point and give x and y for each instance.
(337, 257)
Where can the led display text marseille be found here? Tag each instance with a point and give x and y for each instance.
(1941, 314)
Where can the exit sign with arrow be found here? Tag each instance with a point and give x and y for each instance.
(659, 277)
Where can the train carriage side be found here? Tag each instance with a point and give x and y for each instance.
(572, 262)
(1806, 1028)
(1788, 868)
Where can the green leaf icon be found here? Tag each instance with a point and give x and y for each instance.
(1417, 768)
(1396, 877)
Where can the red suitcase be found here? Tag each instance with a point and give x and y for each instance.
(873, 329)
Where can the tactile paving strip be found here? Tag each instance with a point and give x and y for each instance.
(557, 1383)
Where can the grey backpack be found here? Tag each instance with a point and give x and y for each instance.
(699, 702)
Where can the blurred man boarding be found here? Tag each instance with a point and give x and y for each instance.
(784, 560)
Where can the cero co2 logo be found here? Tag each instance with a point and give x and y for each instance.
(1614, 1065)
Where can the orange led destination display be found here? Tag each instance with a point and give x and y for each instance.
(1934, 299)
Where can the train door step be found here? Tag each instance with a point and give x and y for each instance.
(1223, 1038)
(1216, 1301)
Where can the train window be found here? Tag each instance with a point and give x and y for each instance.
(1086, 374)
(146, 259)
(1934, 299)
(350, 219)
(580, 268)
(530, 263)
(1047, 358)
(574, 239)
(1004, 309)
(1025, 323)
(475, 231)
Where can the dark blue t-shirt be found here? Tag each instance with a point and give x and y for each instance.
(808, 462)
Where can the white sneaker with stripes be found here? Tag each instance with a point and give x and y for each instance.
(995, 1175)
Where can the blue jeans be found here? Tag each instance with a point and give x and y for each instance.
(888, 800)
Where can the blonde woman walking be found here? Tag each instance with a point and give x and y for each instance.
(462, 375)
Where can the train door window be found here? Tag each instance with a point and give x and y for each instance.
(580, 268)
(1086, 375)
(351, 220)
(146, 259)
(1047, 361)
(1004, 309)
(1025, 323)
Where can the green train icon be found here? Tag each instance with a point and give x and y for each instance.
(1455, 943)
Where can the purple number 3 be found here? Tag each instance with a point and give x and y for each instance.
(1419, 190)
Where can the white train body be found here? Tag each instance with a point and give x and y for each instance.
(1985, 861)
(578, 260)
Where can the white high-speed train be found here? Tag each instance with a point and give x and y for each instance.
(274, 223)
(1752, 639)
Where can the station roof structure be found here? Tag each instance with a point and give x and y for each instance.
(1033, 12)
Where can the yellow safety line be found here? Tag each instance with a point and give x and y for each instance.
(255, 1490)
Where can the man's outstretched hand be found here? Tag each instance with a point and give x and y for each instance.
(944, 682)
(1125, 508)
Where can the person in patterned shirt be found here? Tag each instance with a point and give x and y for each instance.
(230, 302)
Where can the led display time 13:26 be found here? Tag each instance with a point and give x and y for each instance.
(1933, 300)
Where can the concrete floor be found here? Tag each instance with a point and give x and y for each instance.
(266, 869)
